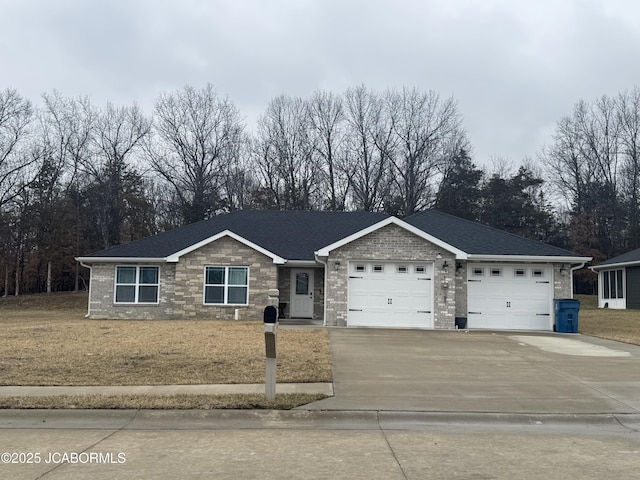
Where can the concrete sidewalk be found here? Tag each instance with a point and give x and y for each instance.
(222, 389)
(276, 445)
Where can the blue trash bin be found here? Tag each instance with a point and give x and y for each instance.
(566, 315)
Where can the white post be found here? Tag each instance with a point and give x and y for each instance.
(271, 341)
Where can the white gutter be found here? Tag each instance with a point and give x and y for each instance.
(90, 283)
(597, 268)
(120, 260)
(526, 258)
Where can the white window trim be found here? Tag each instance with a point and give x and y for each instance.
(136, 285)
(225, 286)
(614, 273)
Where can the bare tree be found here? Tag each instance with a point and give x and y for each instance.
(197, 137)
(629, 121)
(326, 115)
(428, 133)
(119, 131)
(369, 138)
(67, 126)
(16, 166)
(285, 155)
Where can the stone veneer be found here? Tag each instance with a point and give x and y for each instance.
(182, 283)
(392, 243)
(182, 286)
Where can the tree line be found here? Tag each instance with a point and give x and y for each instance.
(76, 177)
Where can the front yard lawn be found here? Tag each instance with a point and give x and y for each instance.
(47, 341)
(619, 325)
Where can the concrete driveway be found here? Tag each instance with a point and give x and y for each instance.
(432, 371)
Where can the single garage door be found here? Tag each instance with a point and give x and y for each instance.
(390, 294)
(510, 297)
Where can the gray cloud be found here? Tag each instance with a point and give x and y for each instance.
(514, 67)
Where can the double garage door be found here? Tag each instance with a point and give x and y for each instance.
(511, 297)
(390, 294)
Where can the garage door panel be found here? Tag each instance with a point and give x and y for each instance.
(398, 295)
(502, 296)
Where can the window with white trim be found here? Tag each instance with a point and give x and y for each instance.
(226, 285)
(137, 284)
(612, 284)
(519, 272)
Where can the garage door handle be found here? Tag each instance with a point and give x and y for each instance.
(424, 311)
(475, 313)
(474, 280)
(542, 314)
(356, 277)
(424, 279)
(542, 282)
(356, 310)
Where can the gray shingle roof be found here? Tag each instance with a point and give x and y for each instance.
(296, 235)
(293, 235)
(475, 238)
(629, 257)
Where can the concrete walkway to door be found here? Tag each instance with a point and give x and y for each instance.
(479, 371)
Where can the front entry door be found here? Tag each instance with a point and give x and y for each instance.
(301, 293)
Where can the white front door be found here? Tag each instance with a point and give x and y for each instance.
(301, 293)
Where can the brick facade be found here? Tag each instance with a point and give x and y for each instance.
(182, 284)
(392, 243)
(181, 294)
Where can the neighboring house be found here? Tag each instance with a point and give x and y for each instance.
(619, 281)
(431, 270)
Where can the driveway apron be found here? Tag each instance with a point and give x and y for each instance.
(481, 371)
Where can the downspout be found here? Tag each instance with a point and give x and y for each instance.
(90, 283)
(573, 269)
(326, 274)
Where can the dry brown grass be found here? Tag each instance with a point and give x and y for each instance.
(164, 402)
(47, 341)
(619, 325)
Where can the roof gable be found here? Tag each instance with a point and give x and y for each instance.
(324, 252)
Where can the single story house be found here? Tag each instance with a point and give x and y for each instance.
(619, 281)
(430, 270)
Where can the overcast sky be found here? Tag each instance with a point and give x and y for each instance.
(515, 67)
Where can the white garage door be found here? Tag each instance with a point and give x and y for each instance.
(511, 297)
(393, 294)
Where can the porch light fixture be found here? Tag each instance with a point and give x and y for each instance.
(445, 266)
(563, 269)
(337, 264)
(458, 267)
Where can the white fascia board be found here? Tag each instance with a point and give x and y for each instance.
(303, 263)
(527, 258)
(610, 266)
(92, 260)
(324, 252)
(174, 258)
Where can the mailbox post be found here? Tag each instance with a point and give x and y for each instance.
(271, 341)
